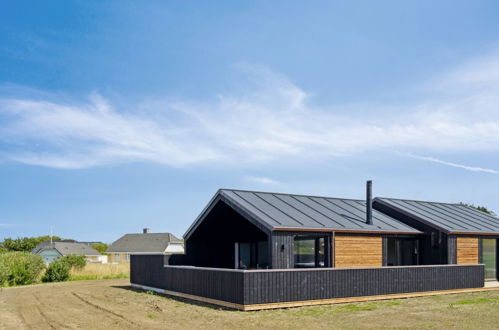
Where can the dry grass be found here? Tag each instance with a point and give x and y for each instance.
(95, 271)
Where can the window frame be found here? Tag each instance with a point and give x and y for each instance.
(326, 263)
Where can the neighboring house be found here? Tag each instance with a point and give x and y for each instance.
(454, 233)
(52, 251)
(145, 243)
(253, 250)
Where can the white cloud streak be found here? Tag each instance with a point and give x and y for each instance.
(464, 167)
(272, 122)
(262, 180)
(6, 225)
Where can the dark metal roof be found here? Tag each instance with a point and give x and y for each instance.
(277, 211)
(451, 218)
(143, 243)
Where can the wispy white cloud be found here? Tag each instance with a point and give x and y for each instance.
(272, 121)
(262, 180)
(443, 162)
(6, 224)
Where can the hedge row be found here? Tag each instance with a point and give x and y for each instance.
(21, 268)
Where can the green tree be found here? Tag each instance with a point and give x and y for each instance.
(25, 244)
(101, 247)
(479, 208)
(74, 261)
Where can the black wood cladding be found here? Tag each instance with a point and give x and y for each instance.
(149, 270)
(272, 286)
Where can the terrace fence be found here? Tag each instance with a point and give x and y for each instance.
(242, 289)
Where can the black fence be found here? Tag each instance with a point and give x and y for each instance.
(249, 287)
(213, 283)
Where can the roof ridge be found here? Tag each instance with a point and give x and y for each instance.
(288, 194)
(416, 200)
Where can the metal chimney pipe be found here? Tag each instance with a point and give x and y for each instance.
(369, 202)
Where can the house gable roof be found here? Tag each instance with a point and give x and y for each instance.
(144, 243)
(447, 217)
(65, 248)
(277, 211)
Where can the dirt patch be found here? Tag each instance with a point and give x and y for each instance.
(111, 304)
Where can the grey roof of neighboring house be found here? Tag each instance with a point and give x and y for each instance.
(450, 218)
(65, 248)
(141, 243)
(276, 211)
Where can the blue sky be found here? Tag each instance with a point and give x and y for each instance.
(119, 115)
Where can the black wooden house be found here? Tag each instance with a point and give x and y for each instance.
(252, 250)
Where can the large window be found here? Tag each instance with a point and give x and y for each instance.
(489, 258)
(310, 252)
(402, 252)
(252, 255)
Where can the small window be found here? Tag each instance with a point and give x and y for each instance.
(310, 252)
(127, 256)
(116, 256)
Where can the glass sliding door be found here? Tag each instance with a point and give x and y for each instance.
(252, 255)
(402, 252)
(489, 258)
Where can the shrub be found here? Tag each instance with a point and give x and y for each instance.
(101, 247)
(4, 275)
(20, 268)
(74, 261)
(57, 271)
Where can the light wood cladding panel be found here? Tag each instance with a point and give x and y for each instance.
(358, 251)
(467, 250)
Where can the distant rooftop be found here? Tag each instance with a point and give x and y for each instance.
(144, 243)
(66, 247)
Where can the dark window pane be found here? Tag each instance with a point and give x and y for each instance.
(304, 253)
(321, 253)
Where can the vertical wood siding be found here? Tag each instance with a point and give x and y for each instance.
(219, 284)
(282, 245)
(301, 285)
(287, 285)
(467, 250)
(358, 251)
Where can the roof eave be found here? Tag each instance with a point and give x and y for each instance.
(474, 233)
(352, 231)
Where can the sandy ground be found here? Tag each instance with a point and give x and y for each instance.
(111, 304)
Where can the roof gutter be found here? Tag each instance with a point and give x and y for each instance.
(352, 231)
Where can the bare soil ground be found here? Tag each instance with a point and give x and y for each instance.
(111, 304)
